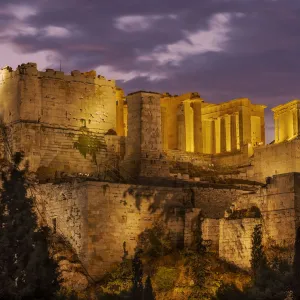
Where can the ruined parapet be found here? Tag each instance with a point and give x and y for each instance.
(77, 76)
(144, 155)
(236, 240)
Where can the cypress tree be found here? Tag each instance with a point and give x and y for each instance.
(137, 280)
(296, 265)
(258, 257)
(148, 290)
(26, 270)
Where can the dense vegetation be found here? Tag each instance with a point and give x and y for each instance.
(199, 274)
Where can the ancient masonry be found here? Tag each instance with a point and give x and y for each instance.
(109, 165)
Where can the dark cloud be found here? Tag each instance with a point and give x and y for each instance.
(259, 58)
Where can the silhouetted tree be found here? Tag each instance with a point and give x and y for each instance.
(296, 266)
(137, 280)
(148, 290)
(26, 270)
(258, 257)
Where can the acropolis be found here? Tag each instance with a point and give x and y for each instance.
(109, 164)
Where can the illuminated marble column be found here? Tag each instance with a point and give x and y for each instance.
(217, 130)
(223, 134)
(227, 120)
(189, 126)
(233, 133)
(213, 137)
(198, 134)
(237, 129)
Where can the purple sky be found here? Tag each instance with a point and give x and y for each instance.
(222, 49)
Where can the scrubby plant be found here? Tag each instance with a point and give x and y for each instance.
(165, 278)
(155, 241)
(258, 256)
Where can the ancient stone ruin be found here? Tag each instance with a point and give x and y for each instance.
(109, 165)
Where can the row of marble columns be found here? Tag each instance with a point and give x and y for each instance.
(287, 125)
(221, 134)
(209, 135)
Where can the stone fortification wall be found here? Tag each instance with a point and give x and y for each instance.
(64, 207)
(235, 241)
(276, 159)
(97, 217)
(48, 114)
(194, 158)
(119, 213)
(55, 98)
(214, 201)
(233, 159)
(278, 203)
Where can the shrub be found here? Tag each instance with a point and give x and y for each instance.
(165, 278)
(155, 241)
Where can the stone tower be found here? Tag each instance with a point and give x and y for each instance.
(144, 157)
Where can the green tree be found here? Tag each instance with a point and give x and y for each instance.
(26, 269)
(258, 257)
(137, 280)
(148, 290)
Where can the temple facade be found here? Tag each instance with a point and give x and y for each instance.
(191, 125)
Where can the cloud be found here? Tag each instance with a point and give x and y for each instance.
(21, 12)
(134, 23)
(212, 39)
(112, 73)
(10, 56)
(56, 31)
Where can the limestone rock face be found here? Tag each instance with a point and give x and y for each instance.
(75, 281)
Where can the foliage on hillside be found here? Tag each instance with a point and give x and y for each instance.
(175, 275)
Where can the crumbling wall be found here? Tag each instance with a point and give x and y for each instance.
(118, 213)
(64, 208)
(214, 201)
(276, 159)
(277, 203)
(211, 233)
(235, 242)
(51, 151)
(98, 217)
